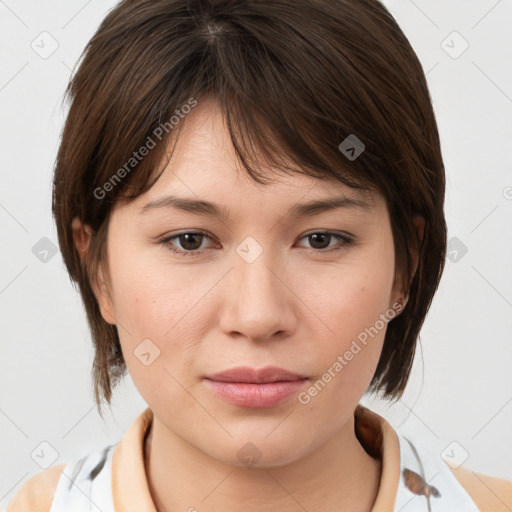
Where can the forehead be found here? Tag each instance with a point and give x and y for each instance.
(204, 165)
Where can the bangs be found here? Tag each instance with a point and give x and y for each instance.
(279, 113)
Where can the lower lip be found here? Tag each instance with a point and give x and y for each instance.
(256, 396)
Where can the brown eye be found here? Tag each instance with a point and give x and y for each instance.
(321, 241)
(186, 244)
(318, 240)
(190, 241)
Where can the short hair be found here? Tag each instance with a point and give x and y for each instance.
(294, 79)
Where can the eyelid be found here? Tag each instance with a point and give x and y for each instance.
(347, 239)
(166, 239)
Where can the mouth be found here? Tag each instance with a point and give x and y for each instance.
(255, 389)
(245, 374)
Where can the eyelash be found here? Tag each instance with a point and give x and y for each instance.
(346, 239)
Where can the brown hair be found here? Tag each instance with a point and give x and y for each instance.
(294, 78)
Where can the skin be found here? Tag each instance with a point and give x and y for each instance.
(292, 307)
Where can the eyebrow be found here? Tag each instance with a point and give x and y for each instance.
(202, 207)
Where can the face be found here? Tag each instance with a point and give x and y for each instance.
(194, 294)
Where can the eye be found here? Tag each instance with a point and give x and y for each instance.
(191, 242)
(319, 239)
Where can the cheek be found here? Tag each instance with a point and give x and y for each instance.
(352, 298)
(164, 305)
(360, 307)
(350, 326)
(150, 298)
(158, 328)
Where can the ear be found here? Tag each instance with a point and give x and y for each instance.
(82, 234)
(398, 288)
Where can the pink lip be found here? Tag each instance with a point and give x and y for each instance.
(257, 389)
(247, 374)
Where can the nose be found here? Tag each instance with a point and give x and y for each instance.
(258, 301)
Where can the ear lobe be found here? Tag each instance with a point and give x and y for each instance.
(82, 237)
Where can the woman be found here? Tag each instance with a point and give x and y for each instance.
(249, 195)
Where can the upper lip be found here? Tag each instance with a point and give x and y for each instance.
(256, 376)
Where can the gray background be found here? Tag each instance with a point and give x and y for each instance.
(459, 399)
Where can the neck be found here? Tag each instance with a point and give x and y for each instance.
(181, 477)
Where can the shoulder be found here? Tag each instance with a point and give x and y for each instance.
(458, 488)
(36, 494)
(490, 494)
